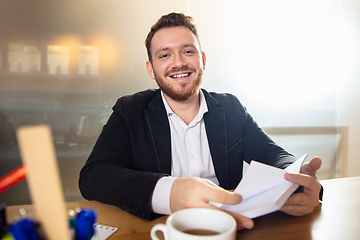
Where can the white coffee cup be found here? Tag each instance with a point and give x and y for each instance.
(200, 221)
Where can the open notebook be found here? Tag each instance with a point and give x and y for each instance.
(264, 189)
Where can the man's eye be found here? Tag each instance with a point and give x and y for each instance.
(189, 52)
(163, 55)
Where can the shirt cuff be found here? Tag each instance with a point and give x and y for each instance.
(161, 196)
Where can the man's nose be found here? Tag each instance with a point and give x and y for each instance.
(178, 61)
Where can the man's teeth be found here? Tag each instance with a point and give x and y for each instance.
(181, 75)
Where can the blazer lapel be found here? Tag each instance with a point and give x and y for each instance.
(160, 133)
(215, 123)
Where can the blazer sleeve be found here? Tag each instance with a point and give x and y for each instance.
(260, 147)
(108, 176)
(244, 133)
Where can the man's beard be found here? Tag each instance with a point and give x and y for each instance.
(179, 93)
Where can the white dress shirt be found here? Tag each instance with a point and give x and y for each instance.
(190, 155)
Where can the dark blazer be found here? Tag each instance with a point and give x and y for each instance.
(134, 149)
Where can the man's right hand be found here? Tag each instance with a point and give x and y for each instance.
(197, 192)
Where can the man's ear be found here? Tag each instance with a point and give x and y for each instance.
(203, 59)
(150, 69)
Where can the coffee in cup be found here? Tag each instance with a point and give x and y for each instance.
(197, 223)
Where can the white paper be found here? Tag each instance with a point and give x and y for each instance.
(103, 232)
(264, 189)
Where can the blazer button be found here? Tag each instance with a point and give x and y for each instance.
(134, 210)
(126, 208)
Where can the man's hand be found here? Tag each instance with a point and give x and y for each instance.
(197, 192)
(303, 203)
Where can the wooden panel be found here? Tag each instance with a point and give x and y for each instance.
(38, 156)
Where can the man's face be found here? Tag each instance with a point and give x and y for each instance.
(177, 62)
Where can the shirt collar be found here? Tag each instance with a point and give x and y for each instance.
(202, 110)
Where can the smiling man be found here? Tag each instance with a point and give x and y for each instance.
(177, 63)
(180, 146)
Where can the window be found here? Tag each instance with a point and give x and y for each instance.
(58, 69)
(23, 57)
(58, 59)
(87, 70)
(88, 60)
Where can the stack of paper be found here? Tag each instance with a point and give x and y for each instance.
(264, 189)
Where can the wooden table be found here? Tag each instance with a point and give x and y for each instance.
(338, 218)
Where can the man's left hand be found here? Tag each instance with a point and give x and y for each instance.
(303, 203)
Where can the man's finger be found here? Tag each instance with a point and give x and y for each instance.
(220, 195)
(241, 221)
(297, 210)
(315, 164)
(311, 167)
(296, 199)
(301, 179)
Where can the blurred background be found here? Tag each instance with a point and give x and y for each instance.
(293, 63)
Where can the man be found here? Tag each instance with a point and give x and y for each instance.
(181, 146)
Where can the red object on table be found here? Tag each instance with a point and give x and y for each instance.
(12, 178)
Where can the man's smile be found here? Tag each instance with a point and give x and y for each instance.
(180, 75)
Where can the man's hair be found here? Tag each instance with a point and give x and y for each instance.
(170, 20)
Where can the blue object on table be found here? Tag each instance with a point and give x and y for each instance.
(85, 220)
(24, 230)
